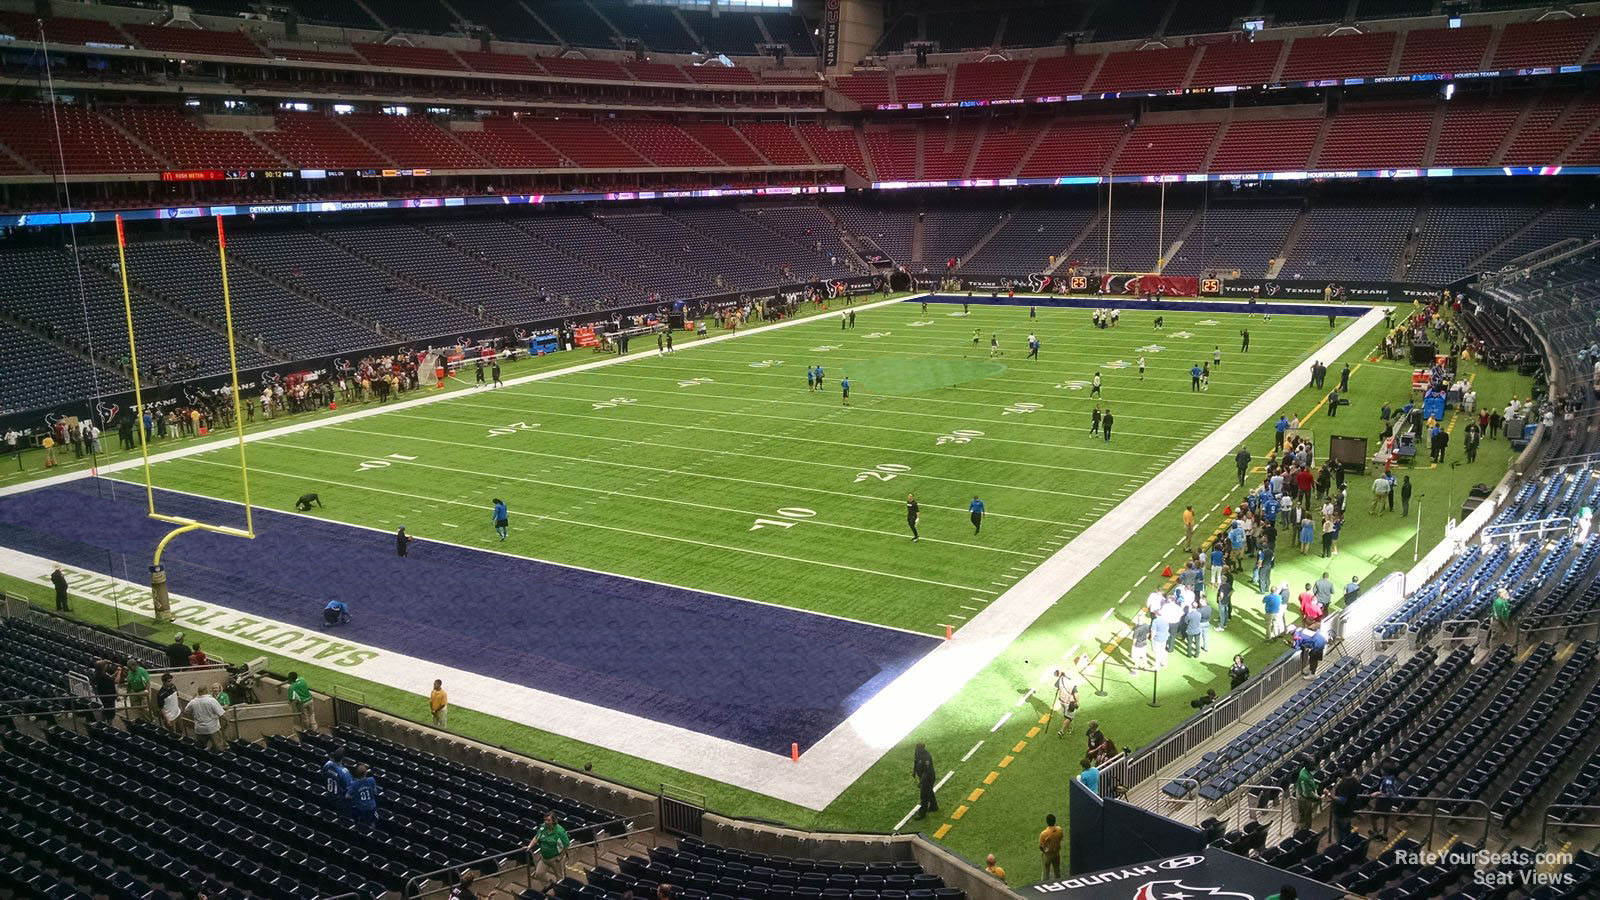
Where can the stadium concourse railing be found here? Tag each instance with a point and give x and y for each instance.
(1355, 629)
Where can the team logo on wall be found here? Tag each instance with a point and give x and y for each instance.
(1039, 281)
(1079, 283)
(1272, 289)
(1210, 286)
(1175, 889)
(52, 419)
(106, 411)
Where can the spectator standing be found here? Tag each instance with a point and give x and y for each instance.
(336, 780)
(1405, 496)
(197, 657)
(1225, 601)
(1380, 493)
(364, 797)
(922, 769)
(1346, 800)
(300, 699)
(103, 682)
(1238, 673)
(551, 842)
(1066, 697)
(1272, 603)
(439, 705)
(136, 684)
(1090, 776)
(167, 703)
(1050, 847)
(1500, 611)
(59, 580)
(1188, 529)
(206, 714)
(1307, 793)
(178, 653)
(1191, 631)
(1141, 640)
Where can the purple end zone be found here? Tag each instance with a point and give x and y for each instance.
(763, 676)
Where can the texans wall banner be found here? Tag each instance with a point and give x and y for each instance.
(1213, 875)
(1160, 285)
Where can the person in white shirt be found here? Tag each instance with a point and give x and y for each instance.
(167, 703)
(12, 437)
(206, 713)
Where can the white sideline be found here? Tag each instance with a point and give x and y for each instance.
(434, 397)
(852, 747)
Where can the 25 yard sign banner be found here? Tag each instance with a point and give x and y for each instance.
(830, 34)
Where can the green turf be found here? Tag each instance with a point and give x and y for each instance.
(669, 487)
(748, 484)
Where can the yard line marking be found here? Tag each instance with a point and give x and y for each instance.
(1124, 596)
(1153, 566)
(954, 616)
(946, 777)
(1109, 613)
(448, 525)
(636, 532)
(693, 473)
(979, 599)
(902, 823)
(972, 751)
(620, 493)
(1141, 580)
(523, 410)
(698, 450)
(1019, 568)
(1020, 700)
(1003, 720)
(426, 399)
(971, 608)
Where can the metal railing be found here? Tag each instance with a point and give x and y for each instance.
(1547, 624)
(1550, 818)
(1538, 530)
(1145, 762)
(490, 865)
(1432, 814)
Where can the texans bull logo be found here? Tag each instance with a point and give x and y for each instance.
(51, 420)
(1039, 281)
(1176, 889)
(106, 411)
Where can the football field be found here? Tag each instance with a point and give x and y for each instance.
(714, 468)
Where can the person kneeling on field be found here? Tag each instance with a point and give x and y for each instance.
(336, 613)
(304, 503)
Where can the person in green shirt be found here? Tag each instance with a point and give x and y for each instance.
(221, 695)
(136, 682)
(1501, 609)
(300, 699)
(1307, 793)
(551, 840)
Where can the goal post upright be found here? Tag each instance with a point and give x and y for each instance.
(158, 575)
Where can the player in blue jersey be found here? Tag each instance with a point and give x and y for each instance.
(502, 519)
(976, 508)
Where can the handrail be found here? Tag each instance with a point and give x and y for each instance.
(413, 885)
(1433, 813)
(1549, 814)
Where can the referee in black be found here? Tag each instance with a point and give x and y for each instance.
(913, 514)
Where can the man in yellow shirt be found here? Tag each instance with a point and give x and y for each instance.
(439, 704)
(992, 869)
(1050, 848)
(49, 444)
(1188, 529)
